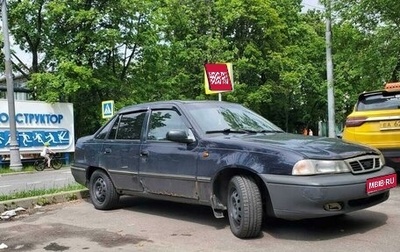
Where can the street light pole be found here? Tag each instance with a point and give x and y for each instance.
(329, 72)
(15, 160)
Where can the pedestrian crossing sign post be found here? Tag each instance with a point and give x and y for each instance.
(107, 109)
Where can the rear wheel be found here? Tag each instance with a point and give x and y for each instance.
(56, 163)
(39, 165)
(102, 191)
(244, 207)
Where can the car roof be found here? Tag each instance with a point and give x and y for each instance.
(378, 92)
(389, 88)
(147, 105)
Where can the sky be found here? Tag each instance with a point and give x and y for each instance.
(26, 58)
(311, 4)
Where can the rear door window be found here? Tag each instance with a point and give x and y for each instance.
(125, 126)
(130, 126)
(104, 131)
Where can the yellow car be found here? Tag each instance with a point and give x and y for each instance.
(375, 121)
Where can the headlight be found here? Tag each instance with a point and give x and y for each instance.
(312, 167)
(382, 158)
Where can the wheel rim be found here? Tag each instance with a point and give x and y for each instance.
(41, 166)
(56, 164)
(236, 208)
(100, 190)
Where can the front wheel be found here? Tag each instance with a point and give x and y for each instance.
(102, 191)
(244, 207)
(56, 163)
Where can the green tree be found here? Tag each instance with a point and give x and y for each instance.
(89, 51)
(134, 51)
(29, 28)
(366, 48)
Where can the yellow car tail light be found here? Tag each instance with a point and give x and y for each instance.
(355, 121)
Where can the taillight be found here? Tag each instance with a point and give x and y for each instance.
(355, 121)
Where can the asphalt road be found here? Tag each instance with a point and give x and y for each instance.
(47, 179)
(148, 225)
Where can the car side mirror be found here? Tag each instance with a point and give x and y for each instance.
(179, 136)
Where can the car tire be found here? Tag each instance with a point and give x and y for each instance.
(244, 207)
(102, 191)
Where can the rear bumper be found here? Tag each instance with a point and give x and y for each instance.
(295, 197)
(79, 175)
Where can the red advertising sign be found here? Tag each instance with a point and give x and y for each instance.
(218, 77)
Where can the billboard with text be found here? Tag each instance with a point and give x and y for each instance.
(38, 122)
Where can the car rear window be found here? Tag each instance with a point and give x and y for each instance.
(382, 101)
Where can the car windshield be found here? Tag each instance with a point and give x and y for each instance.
(379, 102)
(229, 118)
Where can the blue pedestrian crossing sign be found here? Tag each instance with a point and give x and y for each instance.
(107, 109)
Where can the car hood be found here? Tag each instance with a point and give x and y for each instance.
(308, 146)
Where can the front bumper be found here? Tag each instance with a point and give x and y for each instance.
(302, 197)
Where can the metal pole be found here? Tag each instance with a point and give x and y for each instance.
(15, 160)
(329, 72)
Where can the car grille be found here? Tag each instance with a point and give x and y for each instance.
(364, 164)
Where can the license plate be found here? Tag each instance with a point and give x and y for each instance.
(389, 125)
(381, 183)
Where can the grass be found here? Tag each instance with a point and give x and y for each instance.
(6, 170)
(41, 192)
(28, 168)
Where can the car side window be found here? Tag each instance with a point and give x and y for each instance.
(113, 131)
(130, 126)
(103, 133)
(162, 121)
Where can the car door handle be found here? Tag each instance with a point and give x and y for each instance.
(107, 150)
(144, 153)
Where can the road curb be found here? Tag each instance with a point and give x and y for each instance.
(47, 199)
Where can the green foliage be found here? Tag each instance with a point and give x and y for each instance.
(367, 46)
(26, 168)
(133, 51)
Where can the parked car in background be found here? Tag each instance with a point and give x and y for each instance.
(227, 157)
(375, 121)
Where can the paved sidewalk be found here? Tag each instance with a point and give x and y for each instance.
(27, 181)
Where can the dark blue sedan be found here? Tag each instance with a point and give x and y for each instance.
(227, 157)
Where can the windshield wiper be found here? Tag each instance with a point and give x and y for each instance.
(227, 131)
(242, 131)
(270, 131)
